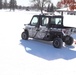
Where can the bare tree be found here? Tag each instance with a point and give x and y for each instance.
(40, 4)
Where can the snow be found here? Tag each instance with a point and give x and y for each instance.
(31, 57)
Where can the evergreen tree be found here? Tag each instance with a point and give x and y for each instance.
(0, 4)
(50, 8)
(12, 4)
(5, 5)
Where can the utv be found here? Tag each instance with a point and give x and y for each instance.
(49, 28)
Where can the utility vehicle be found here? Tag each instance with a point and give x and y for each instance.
(49, 28)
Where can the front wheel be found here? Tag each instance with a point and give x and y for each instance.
(57, 42)
(24, 35)
(68, 40)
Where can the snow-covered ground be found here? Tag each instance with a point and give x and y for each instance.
(31, 57)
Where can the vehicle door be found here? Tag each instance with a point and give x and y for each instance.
(43, 27)
(33, 26)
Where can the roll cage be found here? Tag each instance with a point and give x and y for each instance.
(51, 21)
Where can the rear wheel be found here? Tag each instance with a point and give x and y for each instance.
(68, 40)
(57, 42)
(24, 35)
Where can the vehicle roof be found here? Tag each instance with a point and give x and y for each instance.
(43, 15)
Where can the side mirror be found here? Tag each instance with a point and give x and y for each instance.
(26, 24)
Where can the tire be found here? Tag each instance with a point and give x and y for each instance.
(24, 35)
(57, 42)
(68, 40)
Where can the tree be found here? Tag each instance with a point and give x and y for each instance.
(40, 4)
(12, 4)
(5, 5)
(59, 4)
(50, 8)
(67, 3)
(0, 4)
